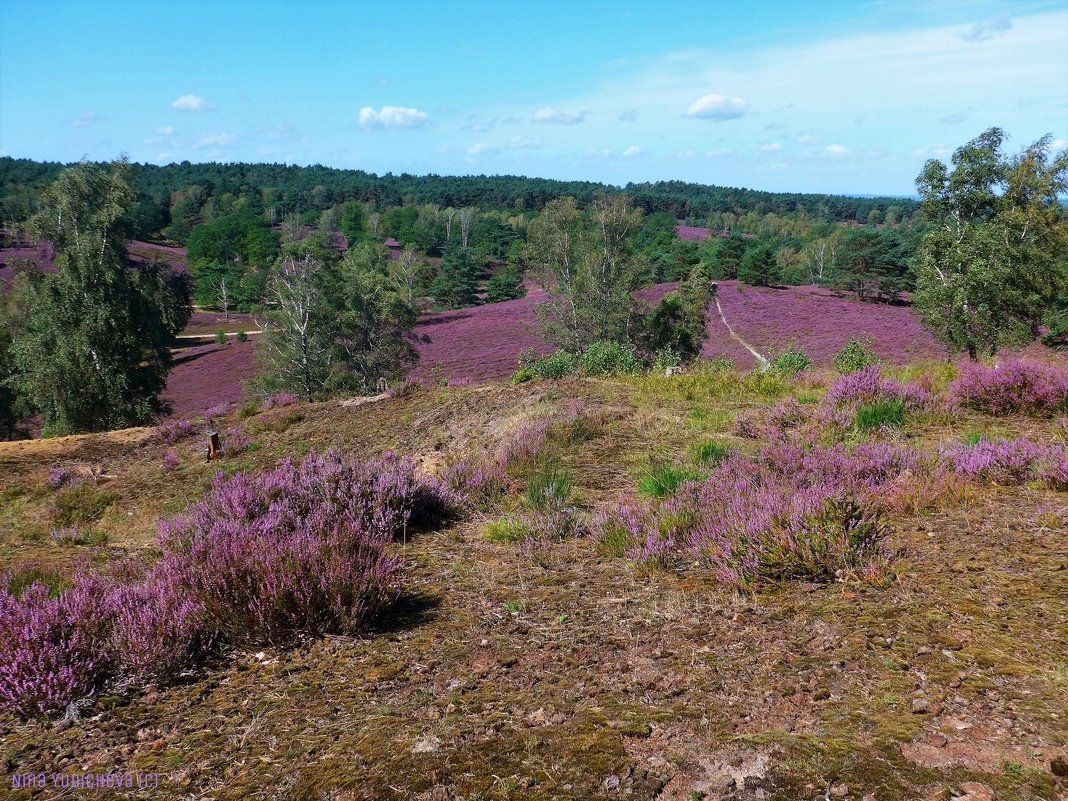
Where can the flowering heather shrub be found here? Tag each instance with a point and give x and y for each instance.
(218, 410)
(170, 433)
(303, 548)
(867, 387)
(156, 630)
(1013, 387)
(53, 650)
(62, 477)
(1010, 462)
(789, 513)
(170, 460)
(775, 423)
(235, 441)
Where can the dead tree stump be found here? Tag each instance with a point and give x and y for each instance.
(214, 446)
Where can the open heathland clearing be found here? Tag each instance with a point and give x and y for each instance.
(572, 665)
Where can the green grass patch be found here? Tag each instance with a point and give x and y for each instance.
(662, 480)
(506, 531)
(710, 452)
(879, 413)
(80, 505)
(548, 486)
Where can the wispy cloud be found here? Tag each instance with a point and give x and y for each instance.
(631, 152)
(393, 117)
(192, 103)
(215, 140)
(717, 107)
(954, 119)
(165, 130)
(551, 116)
(771, 147)
(982, 31)
(835, 150)
(85, 120)
(518, 142)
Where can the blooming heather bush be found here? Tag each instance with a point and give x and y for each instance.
(157, 631)
(1010, 462)
(866, 387)
(170, 460)
(62, 477)
(235, 441)
(303, 548)
(1013, 387)
(788, 513)
(280, 399)
(172, 432)
(53, 651)
(218, 410)
(772, 423)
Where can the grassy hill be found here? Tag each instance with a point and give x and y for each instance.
(557, 668)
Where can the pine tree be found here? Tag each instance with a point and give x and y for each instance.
(455, 285)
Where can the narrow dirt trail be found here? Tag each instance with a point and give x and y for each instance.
(762, 360)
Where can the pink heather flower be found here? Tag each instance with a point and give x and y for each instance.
(1012, 387)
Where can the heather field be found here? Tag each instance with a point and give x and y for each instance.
(484, 343)
(720, 585)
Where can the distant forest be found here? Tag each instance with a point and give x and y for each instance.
(167, 193)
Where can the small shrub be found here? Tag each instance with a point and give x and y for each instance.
(170, 433)
(279, 400)
(1013, 387)
(53, 650)
(791, 360)
(62, 477)
(170, 460)
(216, 411)
(73, 536)
(80, 505)
(883, 396)
(663, 480)
(235, 441)
(250, 409)
(606, 358)
(242, 336)
(711, 452)
(1010, 462)
(854, 356)
(555, 366)
(220, 337)
(889, 412)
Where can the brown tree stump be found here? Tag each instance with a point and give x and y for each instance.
(214, 446)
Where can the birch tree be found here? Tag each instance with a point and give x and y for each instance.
(994, 261)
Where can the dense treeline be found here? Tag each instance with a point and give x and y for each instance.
(172, 198)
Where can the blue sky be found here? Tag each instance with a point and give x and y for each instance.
(808, 96)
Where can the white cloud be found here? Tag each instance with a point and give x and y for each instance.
(982, 31)
(632, 151)
(771, 147)
(717, 107)
(192, 103)
(481, 126)
(807, 139)
(1057, 145)
(85, 120)
(393, 117)
(835, 150)
(165, 130)
(216, 140)
(551, 116)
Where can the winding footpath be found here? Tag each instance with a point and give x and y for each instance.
(762, 360)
